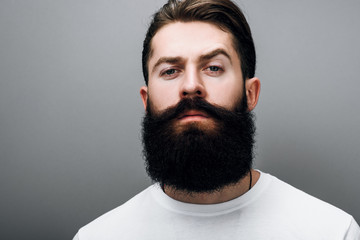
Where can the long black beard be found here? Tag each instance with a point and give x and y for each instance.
(197, 160)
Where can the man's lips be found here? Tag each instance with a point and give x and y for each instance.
(192, 115)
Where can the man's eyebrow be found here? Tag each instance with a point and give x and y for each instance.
(214, 53)
(170, 60)
(202, 58)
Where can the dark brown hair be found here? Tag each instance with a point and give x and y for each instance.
(222, 13)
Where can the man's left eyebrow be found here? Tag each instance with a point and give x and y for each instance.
(213, 54)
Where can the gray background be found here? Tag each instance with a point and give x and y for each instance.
(70, 111)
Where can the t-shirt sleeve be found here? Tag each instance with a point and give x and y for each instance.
(353, 232)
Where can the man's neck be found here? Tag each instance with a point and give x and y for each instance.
(225, 194)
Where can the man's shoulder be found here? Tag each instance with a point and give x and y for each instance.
(293, 197)
(120, 217)
(303, 209)
(284, 207)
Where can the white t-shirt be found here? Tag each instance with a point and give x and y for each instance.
(272, 209)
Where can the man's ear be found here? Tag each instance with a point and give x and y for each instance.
(252, 86)
(144, 95)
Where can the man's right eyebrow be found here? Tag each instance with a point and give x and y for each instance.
(170, 60)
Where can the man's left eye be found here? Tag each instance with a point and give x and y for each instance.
(214, 68)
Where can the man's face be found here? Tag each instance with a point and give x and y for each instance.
(193, 59)
(198, 129)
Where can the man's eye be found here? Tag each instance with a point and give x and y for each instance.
(214, 68)
(169, 72)
(214, 71)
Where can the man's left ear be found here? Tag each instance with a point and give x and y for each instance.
(252, 86)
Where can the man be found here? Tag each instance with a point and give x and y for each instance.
(199, 67)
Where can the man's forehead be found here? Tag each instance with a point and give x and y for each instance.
(189, 40)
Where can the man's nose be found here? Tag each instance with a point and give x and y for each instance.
(192, 85)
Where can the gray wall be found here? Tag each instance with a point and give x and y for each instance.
(70, 111)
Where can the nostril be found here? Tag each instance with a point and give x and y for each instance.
(198, 92)
(185, 93)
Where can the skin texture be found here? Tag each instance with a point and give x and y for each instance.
(198, 59)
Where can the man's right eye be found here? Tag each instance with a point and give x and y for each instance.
(169, 72)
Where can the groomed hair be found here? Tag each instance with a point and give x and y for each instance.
(222, 13)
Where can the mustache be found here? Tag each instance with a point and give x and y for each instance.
(195, 103)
